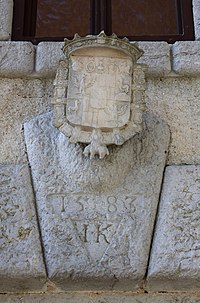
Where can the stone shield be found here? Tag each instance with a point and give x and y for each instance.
(99, 92)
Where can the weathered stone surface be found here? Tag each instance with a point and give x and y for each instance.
(186, 58)
(156, 57)
(20, 101)
(16, 59)
(21, 261)
(105, 297)
(176, 101)
(96, 216)
(48, 55)
(175, 255)
(6, 9)
(196, 14)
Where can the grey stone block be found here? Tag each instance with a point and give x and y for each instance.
(156, 57)
(6, 9)
(96, 216)
(20, 101)
(186, 58)
(48, 55)
(100, 297)
(176, 101)
(21, 261)
(16, 59)
(175, 256)
(196, 14)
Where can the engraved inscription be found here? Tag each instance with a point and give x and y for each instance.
(94, 232)
(95, 224)
(100, 91)
(113, 207)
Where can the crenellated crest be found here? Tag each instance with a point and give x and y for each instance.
(99, 92)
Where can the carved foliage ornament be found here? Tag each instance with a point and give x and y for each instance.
(99, 92)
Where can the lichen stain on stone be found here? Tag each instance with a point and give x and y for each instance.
(23, 233)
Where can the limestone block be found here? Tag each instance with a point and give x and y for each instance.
(16, 59)
(6, 9)
(100, 297)
(196, 14)
(175, 256)
(21, 261)
(96, 216)
(20, 101)
(156, 57)
(176, 101)
(48, 55)
(186, 58)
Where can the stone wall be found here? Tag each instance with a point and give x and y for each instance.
(171, 272)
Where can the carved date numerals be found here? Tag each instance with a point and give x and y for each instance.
(72, 205)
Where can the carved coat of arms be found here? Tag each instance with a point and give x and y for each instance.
(99, 91)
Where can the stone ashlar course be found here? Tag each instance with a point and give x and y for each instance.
(21, 262)
(175, 255)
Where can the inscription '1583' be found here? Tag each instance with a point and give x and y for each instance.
(95, 219)
(77, 205)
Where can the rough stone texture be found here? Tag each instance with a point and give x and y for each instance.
(48, 55)
(21, 262)
(16, 59)
(156, 57)
(175, 255)
(20, 100)
(109, 297)
(186, 58)
(6, 9)
(196, 14)
(96, 216)
(176, 101)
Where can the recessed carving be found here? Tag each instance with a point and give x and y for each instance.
(99, 92)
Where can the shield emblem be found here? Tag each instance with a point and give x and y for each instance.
(99, 95)
(99, 92)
